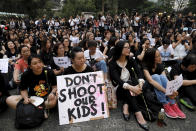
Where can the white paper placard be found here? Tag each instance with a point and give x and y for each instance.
(174, 85)
(62, 61)
(81, 97)
(4, 65)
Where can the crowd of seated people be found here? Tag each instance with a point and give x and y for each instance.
(133, 54)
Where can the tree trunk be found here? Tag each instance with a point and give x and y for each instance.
(103, 3)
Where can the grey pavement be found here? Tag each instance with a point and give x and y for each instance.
(114, 123)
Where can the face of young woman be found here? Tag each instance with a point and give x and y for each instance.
(147, 44)
(79, 59)
(126, 50)
(178, 37)
(48, 44)
(25, 52)
(130, 37)
(108, 35)
(66, 42)
(157, 57)
(61, 50)
(10, 45)
(91, 37)
(36, 66)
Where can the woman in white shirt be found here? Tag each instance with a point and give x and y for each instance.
(180, 47)
(74, 39)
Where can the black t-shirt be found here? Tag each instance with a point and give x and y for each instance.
(10, 55)
(67, 53)
(70, 70)
(189, 23)
(37, 84)
(46, 57)
(158, 70)
(177, 70)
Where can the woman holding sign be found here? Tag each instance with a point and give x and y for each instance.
(122, 69)
(60, 61)
(155, 76)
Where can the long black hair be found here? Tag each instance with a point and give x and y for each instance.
(190, 59)
(149, 58)
(56, 47)
(118, 50)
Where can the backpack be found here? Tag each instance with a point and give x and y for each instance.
(28, 115)
(3, 105)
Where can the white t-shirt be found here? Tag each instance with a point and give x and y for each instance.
(98, 54)
(180, 51)
(50, 23)
(136, 19)
(77, 21)
(71, 22)
(74, 39)
(166, 53)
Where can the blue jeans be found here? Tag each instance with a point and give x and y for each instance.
(101, 65)
(162, 80)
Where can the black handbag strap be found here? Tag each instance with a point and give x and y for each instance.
(46, 74)
(90, 59)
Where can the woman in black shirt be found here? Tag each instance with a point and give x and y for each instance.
(155, 76)
(123, 71)
(67, 46)
(36, 81)
(46, 52)
(12, 52)
(78, 62)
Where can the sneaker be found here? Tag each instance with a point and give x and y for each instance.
(178, 111)
(187, 103)
(169, 111)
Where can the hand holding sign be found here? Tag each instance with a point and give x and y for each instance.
(174, 85)
(173, 96)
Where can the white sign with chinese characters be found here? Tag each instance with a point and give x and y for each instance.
(174, 85)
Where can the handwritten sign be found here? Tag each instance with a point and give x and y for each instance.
(4, 65)
(174, 85)
(62, 61)
(82, 97)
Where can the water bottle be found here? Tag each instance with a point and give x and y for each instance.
(161, 117)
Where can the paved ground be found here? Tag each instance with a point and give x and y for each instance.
(114, 123)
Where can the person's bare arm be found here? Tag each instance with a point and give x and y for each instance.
(105, 50)
(25, 96)
(187, 47)
(16, 75)
(187, 82)
(174, 44)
